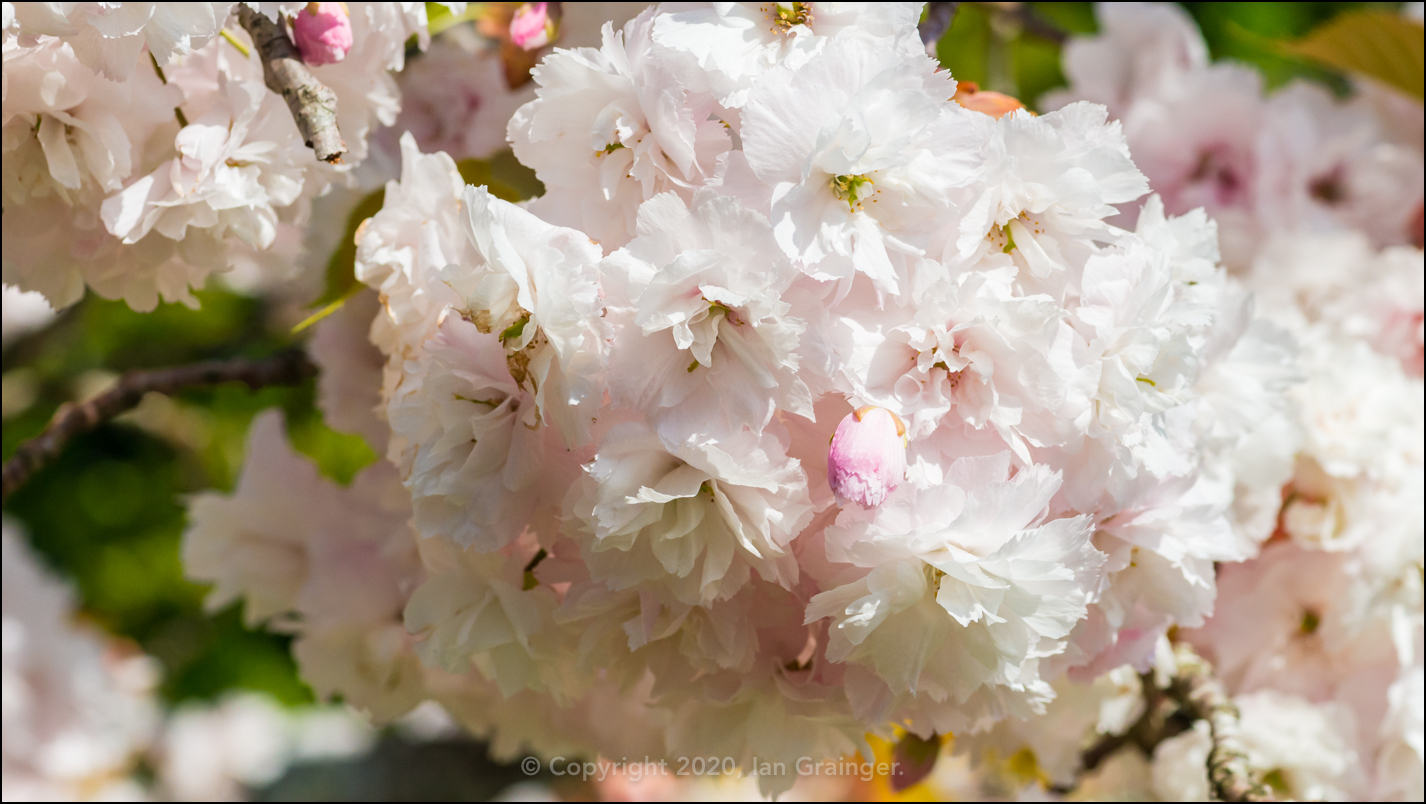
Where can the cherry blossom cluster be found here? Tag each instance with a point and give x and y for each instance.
(816, 402)
(73, 715)
(1261, 164)
(805, 401)
(1318, 636)
(82, 721)
(143, 152)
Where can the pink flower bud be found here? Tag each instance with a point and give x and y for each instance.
(322, 33)
(531, 26)
(867, 459)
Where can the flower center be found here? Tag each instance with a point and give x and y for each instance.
(1215, 167)
(784, 16)
(730, 313)
(517, 358)
(708, 324)
(853, 189)
(942, 360)
(1329, 188)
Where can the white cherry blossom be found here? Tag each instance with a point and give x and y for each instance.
(691, 518)
(536, 287)
(703, 332)
(734, 44)
(861, 147)
(612, 127)
(109, 37)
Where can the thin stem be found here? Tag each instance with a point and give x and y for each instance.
(177, 110)
(235, 42)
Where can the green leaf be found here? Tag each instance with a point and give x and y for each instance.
(1378, 44)
(439, 18)
(509, 170)
(963, 50)
(341, 281)
(503, 174)
(516, 329)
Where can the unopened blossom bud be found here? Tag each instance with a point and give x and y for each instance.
(995, 104)
(531, 27)
(322, 33)
(867, 459)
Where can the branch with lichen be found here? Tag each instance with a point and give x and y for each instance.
(312, 103)
(72, 419)
(1193, 694)
(1202, 696)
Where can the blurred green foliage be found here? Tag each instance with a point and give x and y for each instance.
(109, 513)
(1248, 33)
(1369, 42)
(993, 45)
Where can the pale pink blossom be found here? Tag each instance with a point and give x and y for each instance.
(322, 33)
(867, 458)
(531, 28)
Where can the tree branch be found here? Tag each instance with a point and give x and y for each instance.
(284, 368)
(1201, 695)
(939, 17)
(1024, 18)
(312, 103)
(1193, 694)
(1163, 718)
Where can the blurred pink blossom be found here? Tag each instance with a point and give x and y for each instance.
(323, 33)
